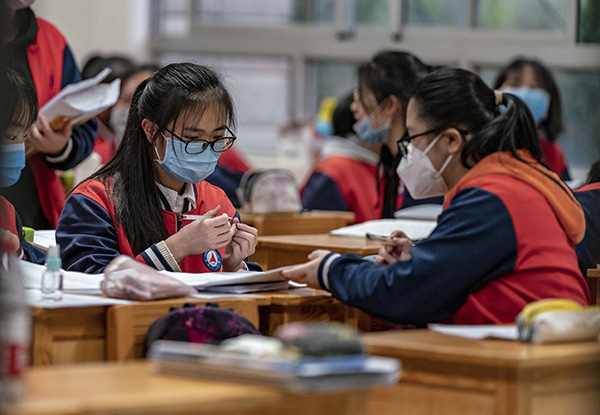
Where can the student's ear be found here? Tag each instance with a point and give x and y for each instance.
(456, 140)
(396, 104)
(149, 128)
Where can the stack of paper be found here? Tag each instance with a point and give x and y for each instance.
(305, 374)
(81, 101)
(73, 282)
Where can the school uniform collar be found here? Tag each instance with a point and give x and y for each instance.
(174, 202)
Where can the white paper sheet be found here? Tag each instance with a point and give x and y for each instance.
(414, 229)
(72, 281)
(209, 279)
(428, 211)
(44, 238)
(83, 100)
(505, 332)
(34, 299)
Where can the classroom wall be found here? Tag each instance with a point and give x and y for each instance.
(106, 26)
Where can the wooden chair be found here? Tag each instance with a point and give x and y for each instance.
(594, 273)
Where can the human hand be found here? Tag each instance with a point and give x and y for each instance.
(307, 273)
(9, 242)
(201, 235)
(242, 245)
(44, 139)
(399, 251)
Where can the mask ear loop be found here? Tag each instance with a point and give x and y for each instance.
(156, 150)
(448, 159)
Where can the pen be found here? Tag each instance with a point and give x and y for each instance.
(380, 238)
(195, 217)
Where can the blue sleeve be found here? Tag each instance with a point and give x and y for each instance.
(321, 193)
(408, 200)
(228, 181)
(31, 253)
(83, 135)
(87, 236)
(474, 242)
(588, 250)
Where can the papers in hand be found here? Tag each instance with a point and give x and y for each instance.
(81, 101)
(233, 282)
(306, 374)
(414, 229)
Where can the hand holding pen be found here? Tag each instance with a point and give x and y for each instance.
(242, 245)
(211, 232)
(397, 250)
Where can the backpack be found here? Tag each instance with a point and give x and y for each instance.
(269, 190)
(190, 323)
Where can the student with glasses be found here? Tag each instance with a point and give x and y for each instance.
(151, 200)
(505, 237)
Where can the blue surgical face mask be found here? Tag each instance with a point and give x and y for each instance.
(12, 161)
(365, 132)
(537, 100)
(185, 167)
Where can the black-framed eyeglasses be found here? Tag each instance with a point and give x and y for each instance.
(218, 145)
(404, 141)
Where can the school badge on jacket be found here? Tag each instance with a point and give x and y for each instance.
(212, 260)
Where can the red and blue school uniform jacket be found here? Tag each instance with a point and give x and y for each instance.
(588, 250)
(10, 221)
(504, 239)
(90, 237)
(228, 174)
(345, 179)
(41, 53)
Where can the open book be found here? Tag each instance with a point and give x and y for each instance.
(81, 101)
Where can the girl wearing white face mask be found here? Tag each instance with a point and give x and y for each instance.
(151, 200)
(506, 234)
(531, 81)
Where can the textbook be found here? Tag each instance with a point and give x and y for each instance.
(414, 229)
(303, 374)
(81, 101)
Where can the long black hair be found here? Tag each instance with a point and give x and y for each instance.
(458, 98)
(19, 100)
(553, 124)
(171, 93)
(391, 73)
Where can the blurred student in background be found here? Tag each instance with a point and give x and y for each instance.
(107, 139)
(505, 237)
(151, 200)
(531, 81)
(384, 87)
(345, 176)
(588, 250)
(19, 112)
(39, 52)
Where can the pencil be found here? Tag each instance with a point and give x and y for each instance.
(195, 217)
(381, 238)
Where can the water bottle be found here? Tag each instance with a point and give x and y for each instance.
(52, 280)
(15, 330)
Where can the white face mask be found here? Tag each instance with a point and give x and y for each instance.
(418, 174)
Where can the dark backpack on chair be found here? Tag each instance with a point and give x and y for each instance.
(209, 324)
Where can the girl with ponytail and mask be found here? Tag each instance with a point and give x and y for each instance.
(150, 201)
(19, 112)
(384, 87)
(505, 237)
(531, 81)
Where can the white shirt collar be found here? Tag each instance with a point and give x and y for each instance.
(177, 201)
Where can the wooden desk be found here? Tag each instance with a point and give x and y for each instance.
(595, 273)
(280, 250)
(90, 334)
(448, 375)
(303, 304)
(298, 223)
(132, 388)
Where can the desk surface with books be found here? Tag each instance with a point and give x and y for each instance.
(444, 374)
(297, 223)
(133, 388)
(281, 250)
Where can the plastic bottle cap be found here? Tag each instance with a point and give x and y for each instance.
(53, 262)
